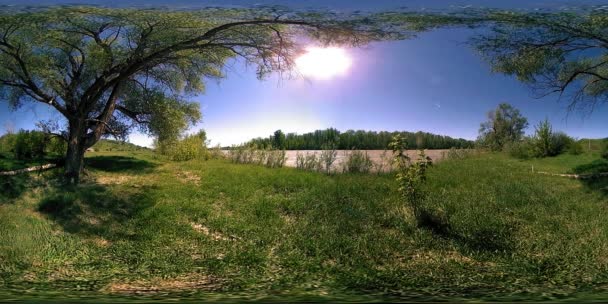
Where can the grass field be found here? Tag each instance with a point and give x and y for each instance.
(141, 226)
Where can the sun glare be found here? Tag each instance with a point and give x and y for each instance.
(323, 63)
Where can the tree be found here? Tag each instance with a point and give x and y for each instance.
(553, 52)
(543, 139)
(504, 125)
(564, 53)
(108, 71)
(278, 140)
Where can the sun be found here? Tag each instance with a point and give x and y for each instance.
(323, 63)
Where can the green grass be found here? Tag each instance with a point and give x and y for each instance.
(141, 226)
(8, 162)
(567, 163)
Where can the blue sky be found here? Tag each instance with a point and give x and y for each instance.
(433, 83)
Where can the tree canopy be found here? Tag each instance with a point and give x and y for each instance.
(554, 52)
(505, 125)
(108, 71)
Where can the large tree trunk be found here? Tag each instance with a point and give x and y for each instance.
(74, 159)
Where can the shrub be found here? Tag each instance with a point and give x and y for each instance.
(560, 142)
(276, 158)
(56, 146)
(523, 149)
(312, 162)
(300, 161)
(411, 177)
(188, 148)
(259, 156)
(235, 154)
(548, 143)
(459, 153)
(575, 147)
(328, 157)
(216, 152)
(357, 162)
(30, 144)
(604, 151)
(7, 143)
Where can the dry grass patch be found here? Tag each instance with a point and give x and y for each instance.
(214, 235)
(188, 282)
(114, 179)
(188, 177)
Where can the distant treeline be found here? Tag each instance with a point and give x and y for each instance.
(360, 139)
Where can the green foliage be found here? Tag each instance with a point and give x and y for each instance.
(7, 142)
(360, 139)
(278, 140)
(549, 143)
(552, 52)
(108, 145)
(576, 147)
(312, 162)
(109, 70)
(268, 157)
(327, 157)
(604, 150)
(216, 152)
(504, 125)
(454, 153)
(190, 147)
(543, 139)
(357, 162)
(410, 176)
(523, 149)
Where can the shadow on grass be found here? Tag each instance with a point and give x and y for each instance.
(120, 164)
(490, 236)
(93, 210)
(12, 187)
(594, 167)
(598, 183)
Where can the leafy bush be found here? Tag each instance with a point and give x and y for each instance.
(411, 177)
(188, 148)
(357, 162)
(312, 162)
(30, 144)
(328, 157)
(604, 151)
(457, 153)
(57, 146)
(259, 157)
(300, 160)
(575, 147)
(268, 157)
(276, 158)
(7, 143)
(216, 152)
(549, 143)
(523, 149)
(560, 142)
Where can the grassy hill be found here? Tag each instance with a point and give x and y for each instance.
(216, 230)
(117, 146)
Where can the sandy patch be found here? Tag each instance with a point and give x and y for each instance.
(214, 235)
(188, 177)
(113, 179)
(185, 282)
